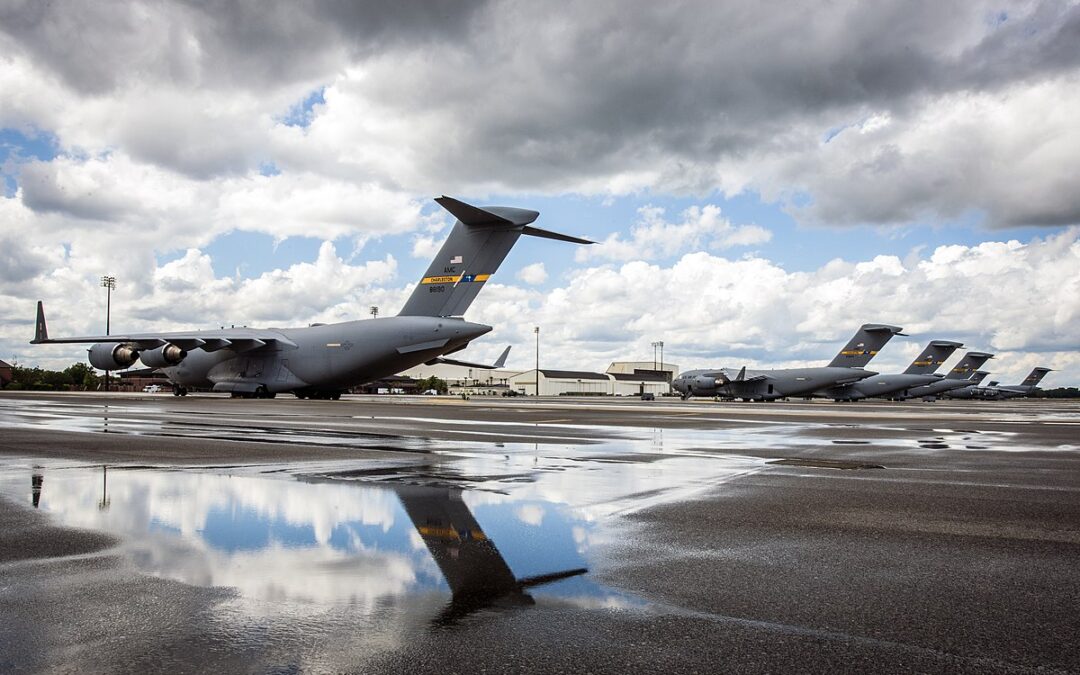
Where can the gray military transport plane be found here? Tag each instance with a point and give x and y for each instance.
(920, 372)
(769, 385)
(999, 392)
(972, 390)
(957, 378)
(322, 361)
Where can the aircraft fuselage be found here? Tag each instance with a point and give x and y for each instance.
(877, 386)
(770, 385)
(331, 357)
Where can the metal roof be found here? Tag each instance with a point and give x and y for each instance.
(639, 377)
(573, 375)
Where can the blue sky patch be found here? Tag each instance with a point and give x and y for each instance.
(18, 146)
(301, 114)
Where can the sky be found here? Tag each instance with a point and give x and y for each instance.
(759, 182)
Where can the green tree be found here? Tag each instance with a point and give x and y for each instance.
(436, 383)
(82, 376)
(77, 375)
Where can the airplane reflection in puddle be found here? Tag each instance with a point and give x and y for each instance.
(477, 573)
(300, 542)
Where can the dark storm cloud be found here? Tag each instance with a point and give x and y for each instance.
(536, 96)
(96, 46)
(696, 81)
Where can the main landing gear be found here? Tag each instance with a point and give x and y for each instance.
(261, 392)
(318, 395)
(177, 390)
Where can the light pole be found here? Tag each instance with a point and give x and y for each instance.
(374, 312)
(662, 360)
(536, 329)
(108, 283)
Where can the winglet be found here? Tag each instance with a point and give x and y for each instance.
(501, 361)
(41, 331)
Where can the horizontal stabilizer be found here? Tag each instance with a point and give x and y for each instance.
(497, 215)
(547, 234)
(541, 579)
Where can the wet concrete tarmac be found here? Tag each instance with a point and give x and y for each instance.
(434, 535)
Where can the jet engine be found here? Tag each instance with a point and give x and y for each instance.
(112, 356)
(163, 357)
(705, 385)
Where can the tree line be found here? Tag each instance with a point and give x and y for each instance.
(78, 376)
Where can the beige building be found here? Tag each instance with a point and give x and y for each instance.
(460, 378)
(623, 378)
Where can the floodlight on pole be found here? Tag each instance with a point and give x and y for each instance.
(109, 284)
(536, 330)
(661, 343)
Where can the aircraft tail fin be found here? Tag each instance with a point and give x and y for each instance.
(479, 242)
(41, 331)
(1035, 377)
(868, 340)
(931, 358)
(971, 362)
(978, 376)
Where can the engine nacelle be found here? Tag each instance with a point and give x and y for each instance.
(112, 356)
(704, 385)
(163, 357)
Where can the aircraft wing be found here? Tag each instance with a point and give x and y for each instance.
(850, 380)
(237, 339)
(724, 375)
(499, 362)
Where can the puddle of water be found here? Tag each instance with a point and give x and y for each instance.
(321, 543)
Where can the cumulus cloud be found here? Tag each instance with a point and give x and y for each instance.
(944, 110)
(533, 274)
(708, 309)
(712, 311)
(653, 237)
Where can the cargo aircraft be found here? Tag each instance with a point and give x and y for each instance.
(999, 392)
(920, 372)
(324, 360)
(972, 390)
(769, 385)
(957, 378)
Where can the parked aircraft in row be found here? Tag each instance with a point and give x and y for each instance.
(322, 361)
(957, 378)
(996, 392)
(846, 379)
(768, 385)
